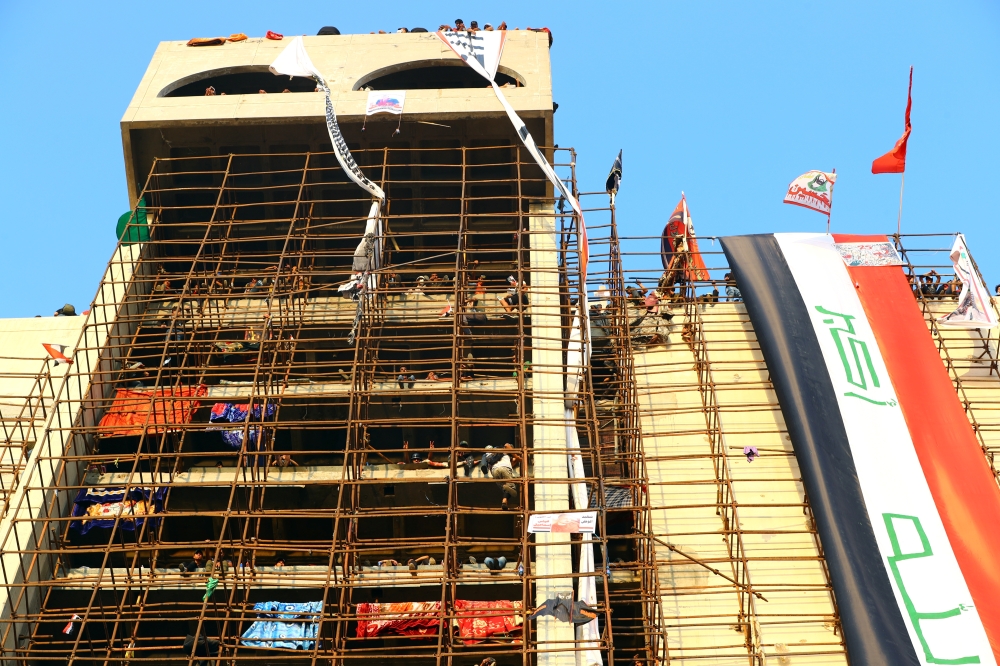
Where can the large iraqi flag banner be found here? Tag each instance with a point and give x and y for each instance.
(906, 505)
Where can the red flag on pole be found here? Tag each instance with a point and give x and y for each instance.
(894, 161)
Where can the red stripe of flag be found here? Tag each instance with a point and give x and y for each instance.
(960, 479)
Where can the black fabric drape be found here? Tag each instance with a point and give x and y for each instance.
(874, 630)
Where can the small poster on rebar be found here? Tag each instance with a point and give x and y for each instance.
(581, 522)
(385, 101)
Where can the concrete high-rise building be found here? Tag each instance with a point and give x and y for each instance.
(248, 462)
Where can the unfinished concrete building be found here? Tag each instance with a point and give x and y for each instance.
(244, 465)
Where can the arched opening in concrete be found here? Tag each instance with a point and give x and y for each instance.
(433, 75)
(245, 80)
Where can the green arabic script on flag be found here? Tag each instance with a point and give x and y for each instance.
(858, 367)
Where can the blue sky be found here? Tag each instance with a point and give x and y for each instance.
(728, 102)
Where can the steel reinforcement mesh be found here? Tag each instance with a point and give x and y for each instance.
(246, 464)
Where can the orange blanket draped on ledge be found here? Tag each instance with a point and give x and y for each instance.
(481, 620)
(417, 619)
(157, 408)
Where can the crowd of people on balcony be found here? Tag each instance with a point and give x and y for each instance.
(933, 285)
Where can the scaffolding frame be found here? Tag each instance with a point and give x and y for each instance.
(25, 405)
(709, 344)
(234, 298)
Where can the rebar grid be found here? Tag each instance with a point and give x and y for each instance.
(25, 403)
(709, 348)
(693, 560)
(234, 299)
(740, 566)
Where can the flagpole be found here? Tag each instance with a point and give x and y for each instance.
(831, 206)
(684, 219)
(899, 217)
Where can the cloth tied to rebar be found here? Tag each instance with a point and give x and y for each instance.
(294, 61)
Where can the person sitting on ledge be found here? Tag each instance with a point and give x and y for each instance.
(196, 562)
(284, 460)
(418, 289)
(467, 457)
(516, 297)
(495, 565)
(732, 291)
(405, 381)
(414, 562)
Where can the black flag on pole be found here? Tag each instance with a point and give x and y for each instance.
(615, 177)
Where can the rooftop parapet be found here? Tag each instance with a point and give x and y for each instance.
(440, 88)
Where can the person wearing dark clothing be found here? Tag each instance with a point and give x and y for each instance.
(196, 562)
(930, 283)
(65, 311)
(473, 316)
(468, 459)
(950, 288)
(495, 564)
(636, 295)
(203, 647)
(516, 297)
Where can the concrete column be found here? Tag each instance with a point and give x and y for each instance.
(553, 555)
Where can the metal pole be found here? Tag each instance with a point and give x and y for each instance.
(830, 212)
(899, 218)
